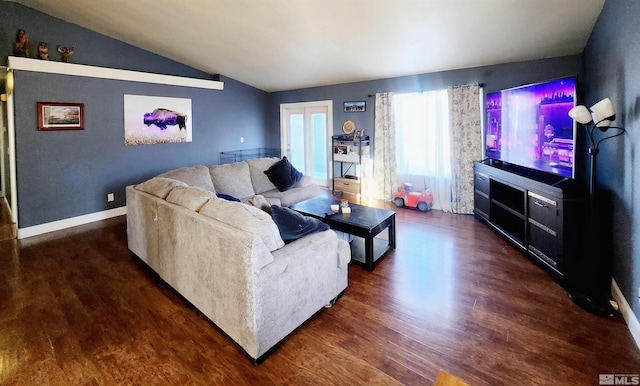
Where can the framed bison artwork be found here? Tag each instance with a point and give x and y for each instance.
(60, 116)
(152, 120)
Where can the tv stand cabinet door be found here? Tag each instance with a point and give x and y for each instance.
(545, 231)
(481, 195)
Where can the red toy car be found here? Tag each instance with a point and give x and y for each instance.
(421, 200)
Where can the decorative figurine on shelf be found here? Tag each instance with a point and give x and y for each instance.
(43, 51)
(22, 44)
(406, 197)
(66, 53)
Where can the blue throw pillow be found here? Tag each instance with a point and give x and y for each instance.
(293, 225)
(283, 175)
(227, 197)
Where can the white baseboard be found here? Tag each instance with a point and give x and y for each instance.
(70, 222)
(627, 312)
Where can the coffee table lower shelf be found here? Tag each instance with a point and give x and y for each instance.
(358, 255)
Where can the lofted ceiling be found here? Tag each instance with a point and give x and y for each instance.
(277, 45)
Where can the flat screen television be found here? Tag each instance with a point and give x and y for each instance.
(530, 126)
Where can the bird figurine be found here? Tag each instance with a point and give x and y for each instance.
(66, 53)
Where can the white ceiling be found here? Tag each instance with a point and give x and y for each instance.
(279, 45)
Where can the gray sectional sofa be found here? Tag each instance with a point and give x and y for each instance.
(227, 258)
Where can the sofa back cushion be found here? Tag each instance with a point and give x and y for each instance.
(257, 167)
(191, 197)
(159, 186)
(246, 218)
(232, 179)
(193, 176)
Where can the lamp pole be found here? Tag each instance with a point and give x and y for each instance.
(594, 150)
(588, 289)
(592, 182)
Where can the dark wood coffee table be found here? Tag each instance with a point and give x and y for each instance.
(364, 222)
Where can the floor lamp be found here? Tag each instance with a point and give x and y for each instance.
(583, 288)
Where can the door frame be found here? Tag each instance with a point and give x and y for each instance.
(9, 184)
(328, 104)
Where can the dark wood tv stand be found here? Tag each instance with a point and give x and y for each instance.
(540, 213)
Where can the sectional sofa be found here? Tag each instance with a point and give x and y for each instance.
(227, 258)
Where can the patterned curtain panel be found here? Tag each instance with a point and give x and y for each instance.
(384, 181)
(466, 146)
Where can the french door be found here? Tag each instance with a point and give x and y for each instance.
(305, 137)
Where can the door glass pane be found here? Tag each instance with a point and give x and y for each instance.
(296, 146)
(319, 145)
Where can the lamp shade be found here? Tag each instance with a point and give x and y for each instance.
(603, 113)
(580, 114)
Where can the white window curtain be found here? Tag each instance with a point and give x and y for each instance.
(466, 128)
(423, 143)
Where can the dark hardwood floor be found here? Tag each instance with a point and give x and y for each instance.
(76, 307)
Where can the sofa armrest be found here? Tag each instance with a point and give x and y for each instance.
(344, 253)
(304, 181)
(310, 246)
(303, 277)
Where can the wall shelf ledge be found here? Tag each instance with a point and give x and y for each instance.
(51, 67)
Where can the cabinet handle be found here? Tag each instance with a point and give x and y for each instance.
(481, 178)
(540, 204)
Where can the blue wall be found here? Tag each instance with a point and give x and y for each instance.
(611, 62)
(63, 174)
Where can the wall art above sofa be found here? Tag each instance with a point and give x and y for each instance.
(152, 120)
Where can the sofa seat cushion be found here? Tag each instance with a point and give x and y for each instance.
(292, 196)
(232, 179)
(283, 175)
(259, 179)
(193, 176)
(159, 186)
(190, 197)
(245, 217)
(293, 225)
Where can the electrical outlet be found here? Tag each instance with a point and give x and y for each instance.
(241, 139)
(110, 197)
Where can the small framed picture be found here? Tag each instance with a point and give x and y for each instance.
(60, 116)
(355, 106)
(359, 133)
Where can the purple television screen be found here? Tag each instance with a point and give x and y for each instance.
(530, 126)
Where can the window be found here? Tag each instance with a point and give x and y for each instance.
(422, 134)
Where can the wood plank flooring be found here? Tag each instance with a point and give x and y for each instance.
(76, 307)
